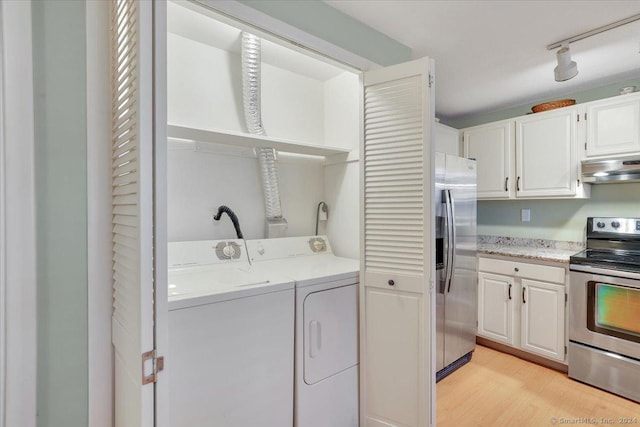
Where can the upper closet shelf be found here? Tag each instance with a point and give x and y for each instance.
(246, 140)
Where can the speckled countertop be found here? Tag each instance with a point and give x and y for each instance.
(538, 249)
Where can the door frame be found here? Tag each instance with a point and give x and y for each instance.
(17, 218)
(99, 269)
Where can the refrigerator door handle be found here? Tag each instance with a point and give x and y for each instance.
(451, 239)
(442, 285)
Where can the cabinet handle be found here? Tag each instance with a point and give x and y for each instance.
(391, 282)
(518, 184)
(578, 183)
(516, 269)
(510, 290)
(524, 301)
(506, 184)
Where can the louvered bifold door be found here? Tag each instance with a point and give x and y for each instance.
(132, 201)
(397, 247)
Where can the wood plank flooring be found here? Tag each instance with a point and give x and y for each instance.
(497, 389)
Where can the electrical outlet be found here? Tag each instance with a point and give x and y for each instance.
(525, 215)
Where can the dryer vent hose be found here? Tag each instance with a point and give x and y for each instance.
(251, 67)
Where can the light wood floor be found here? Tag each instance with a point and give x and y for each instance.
(497, 389)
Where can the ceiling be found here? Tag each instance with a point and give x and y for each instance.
(492, 55)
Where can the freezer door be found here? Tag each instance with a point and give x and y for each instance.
(460, 295)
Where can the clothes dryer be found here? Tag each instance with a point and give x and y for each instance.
(326, 326)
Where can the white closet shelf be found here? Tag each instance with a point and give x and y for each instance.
(246, 140)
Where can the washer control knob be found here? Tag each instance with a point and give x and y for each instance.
(391, 282)
(229, 251)
(600, 224)
(615, 224)
(260, 250)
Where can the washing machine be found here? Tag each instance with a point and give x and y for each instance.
(231, 338)
(326, 326)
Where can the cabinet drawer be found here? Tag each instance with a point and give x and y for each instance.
(522, 269)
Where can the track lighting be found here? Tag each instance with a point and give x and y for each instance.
(566, 69)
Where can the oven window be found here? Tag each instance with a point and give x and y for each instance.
(614, 310)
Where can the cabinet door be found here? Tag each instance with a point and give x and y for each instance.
(492, 146)
(543, 318)
(546, 155)
(495, 307)
(446, 139)
(614, 126)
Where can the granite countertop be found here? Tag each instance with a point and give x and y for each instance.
(537, 249)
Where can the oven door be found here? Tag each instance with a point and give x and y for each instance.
(605, 309)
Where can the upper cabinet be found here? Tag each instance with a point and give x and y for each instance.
(446, 139)
(533, 156)
(547, 162)
(493, 148)
(613, 126)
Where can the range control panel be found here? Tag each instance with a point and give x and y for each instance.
(614, 225)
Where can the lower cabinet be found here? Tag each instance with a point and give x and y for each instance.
(522, 305)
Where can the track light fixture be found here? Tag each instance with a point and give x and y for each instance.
(566, 69)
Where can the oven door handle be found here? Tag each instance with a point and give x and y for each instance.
(604, 271)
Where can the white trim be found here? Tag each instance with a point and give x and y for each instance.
(281, 29)
(160, 282)
(100, 357)
(19, 215)
(3, 265)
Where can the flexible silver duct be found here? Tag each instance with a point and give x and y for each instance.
(276, 225)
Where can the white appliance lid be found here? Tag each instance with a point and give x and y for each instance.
(308, 260)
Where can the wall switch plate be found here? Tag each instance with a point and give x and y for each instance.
(525, 215)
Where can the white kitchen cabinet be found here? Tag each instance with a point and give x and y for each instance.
(613, 126)
(492, 145)
(543, 306)
(446, 139)
(523, 305)
(495, 307)
(530, 157)
(547, 162)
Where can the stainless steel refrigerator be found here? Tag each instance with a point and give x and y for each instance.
(456, 266)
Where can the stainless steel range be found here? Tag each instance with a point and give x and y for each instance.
(604, 324)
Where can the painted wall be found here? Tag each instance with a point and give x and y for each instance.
(59, 58)
(200, 181)
(520, 110)
(558, 219)
(323, 21)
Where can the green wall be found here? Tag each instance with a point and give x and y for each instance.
(580, 97)
(323, 21)
(558, 219)
(59, 63)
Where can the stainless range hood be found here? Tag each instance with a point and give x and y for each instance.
(609, 171)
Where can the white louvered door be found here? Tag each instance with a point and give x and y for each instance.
(397, 316)
(133, 136)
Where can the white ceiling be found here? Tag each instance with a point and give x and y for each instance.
(491, 55)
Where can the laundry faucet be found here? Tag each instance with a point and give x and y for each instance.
(234, 219)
